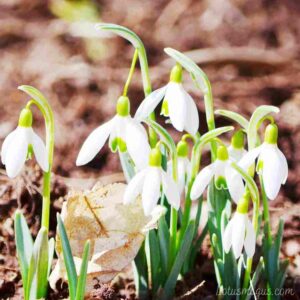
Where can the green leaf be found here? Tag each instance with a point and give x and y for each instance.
(164, 242)
(260, 113)
(153, 256)
(256, 277)
(169, 287)
(80, 292)
(278, 239)
(233, 116)
(68, 258)
(24, 245)
(38, 270)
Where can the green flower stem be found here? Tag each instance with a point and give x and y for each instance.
(43, 105)
(266, 209)
(131, 71)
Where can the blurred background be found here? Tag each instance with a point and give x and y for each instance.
(249, 49)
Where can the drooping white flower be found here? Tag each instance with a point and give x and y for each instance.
(222, 170)
(125, 134)
(149, 182)
(19, 143)
(236, 149)
(177, 104)
(239, 233)
(183, 165)
(271, 162)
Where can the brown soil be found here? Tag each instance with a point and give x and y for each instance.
(249, 49)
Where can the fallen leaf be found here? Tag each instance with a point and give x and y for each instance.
(116, 232)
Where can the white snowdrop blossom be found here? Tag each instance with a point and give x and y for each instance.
(239, 233)
(125, 134)
(148, 184)
(21, 142)
(178, 105)
(183, 165)
(271, 162)
(236, 149)
(222, 170)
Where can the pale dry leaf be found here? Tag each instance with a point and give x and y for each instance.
(116, 231)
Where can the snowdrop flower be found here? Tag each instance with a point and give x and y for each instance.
(125, 134)
(236, 149)
(177, 104)
(148, 183)
(239, 232)
(225, 176)
(271, 162)
(183, 165)
(20, 144)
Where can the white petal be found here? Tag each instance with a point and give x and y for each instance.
(201, 182)
(220, 166)
(134, 187)
(284, 166)
(17, 152)
(192, 116)
(227, 237)
(250, 240)
(137, 143)
(177, 104)
(94, 143)
(183, 166)
(6, 143)
(151, 189)
(120, 124)
(272, 171)
(238, 234)
(236, 154)
(250, 157)
(235, 183)
(149, 104)
(40, 151)
(170, 190)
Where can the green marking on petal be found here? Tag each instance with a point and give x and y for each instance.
(271, 134)
(114, 145)
(123, 106)
(122, 145)
(155, 158)
(176, 74)
(25, 119)
(220, 183)
(165, 108)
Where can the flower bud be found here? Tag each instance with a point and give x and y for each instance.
(123, 106)
(237, 140)
(155, 158)
(182, 149)
(222, 153)
(271, 134)
(176, 74)
(25, 119)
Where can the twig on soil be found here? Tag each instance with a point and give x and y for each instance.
(192, 291)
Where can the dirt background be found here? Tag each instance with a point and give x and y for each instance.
(249, 49)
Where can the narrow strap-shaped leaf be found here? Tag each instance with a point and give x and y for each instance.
(164, 242)
(38, 270)
(261, 112)
(153, 256)
(256, 277)
(168, 289)
(68, 258)
(233, 116)
(80, 292)
(278, 239)
(24, 245)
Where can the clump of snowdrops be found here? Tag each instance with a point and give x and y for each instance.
(159, 171)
